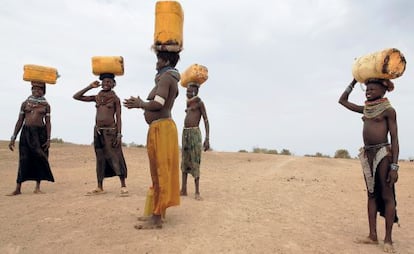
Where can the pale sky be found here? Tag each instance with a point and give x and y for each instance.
(276, 67)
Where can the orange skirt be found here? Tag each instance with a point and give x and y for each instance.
(163, 154)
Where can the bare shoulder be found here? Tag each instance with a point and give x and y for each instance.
(116, 96)
(201, 103)
(167, 81)
(170, 76)
(390, 112)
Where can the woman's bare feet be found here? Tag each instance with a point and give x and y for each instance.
(14, 193)
(198, 197)
(366, 240)
(148, 225)
(155, 222)
(38, 191)
(389, 248)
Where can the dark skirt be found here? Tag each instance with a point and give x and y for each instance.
(371, 153)
(109, 159)
(33, 159)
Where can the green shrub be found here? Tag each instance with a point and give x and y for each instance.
(342, 153)
(57, 141)
(285, 152)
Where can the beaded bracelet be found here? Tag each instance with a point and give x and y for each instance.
(394, 166)
(349, 89)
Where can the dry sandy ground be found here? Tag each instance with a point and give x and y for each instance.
(253, 203)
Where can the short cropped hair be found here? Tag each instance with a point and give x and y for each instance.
(386, 83)
(172, 57)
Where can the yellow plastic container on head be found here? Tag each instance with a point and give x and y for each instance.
(40, 73)
(196, 73)
(169, 19)
(108, 64)
(149, 202)
(386, 64)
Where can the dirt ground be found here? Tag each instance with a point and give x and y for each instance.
(253, 203)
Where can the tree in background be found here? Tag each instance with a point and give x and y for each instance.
(285, 152)
(342, 153)
(264, 150)
(318, 155)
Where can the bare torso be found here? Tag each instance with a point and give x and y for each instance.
(165, 111)
(34, 113)
(375, 130)
(193, 113)
(107, 104)
(105, 115)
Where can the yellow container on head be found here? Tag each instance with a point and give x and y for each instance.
(169, 19)
(108, 64)
(38, 73)
(196, 73)
(386, 64)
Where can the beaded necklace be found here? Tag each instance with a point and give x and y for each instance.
(375, 108)
(103, 98)
(34, 102)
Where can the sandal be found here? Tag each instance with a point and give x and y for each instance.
(124, 192)
(94, 192)
(148, 225)
(365, 240)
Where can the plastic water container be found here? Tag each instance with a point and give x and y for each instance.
(108, 64)
(149, 202)
(40, 73)
(169, 19)
(196, 73)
